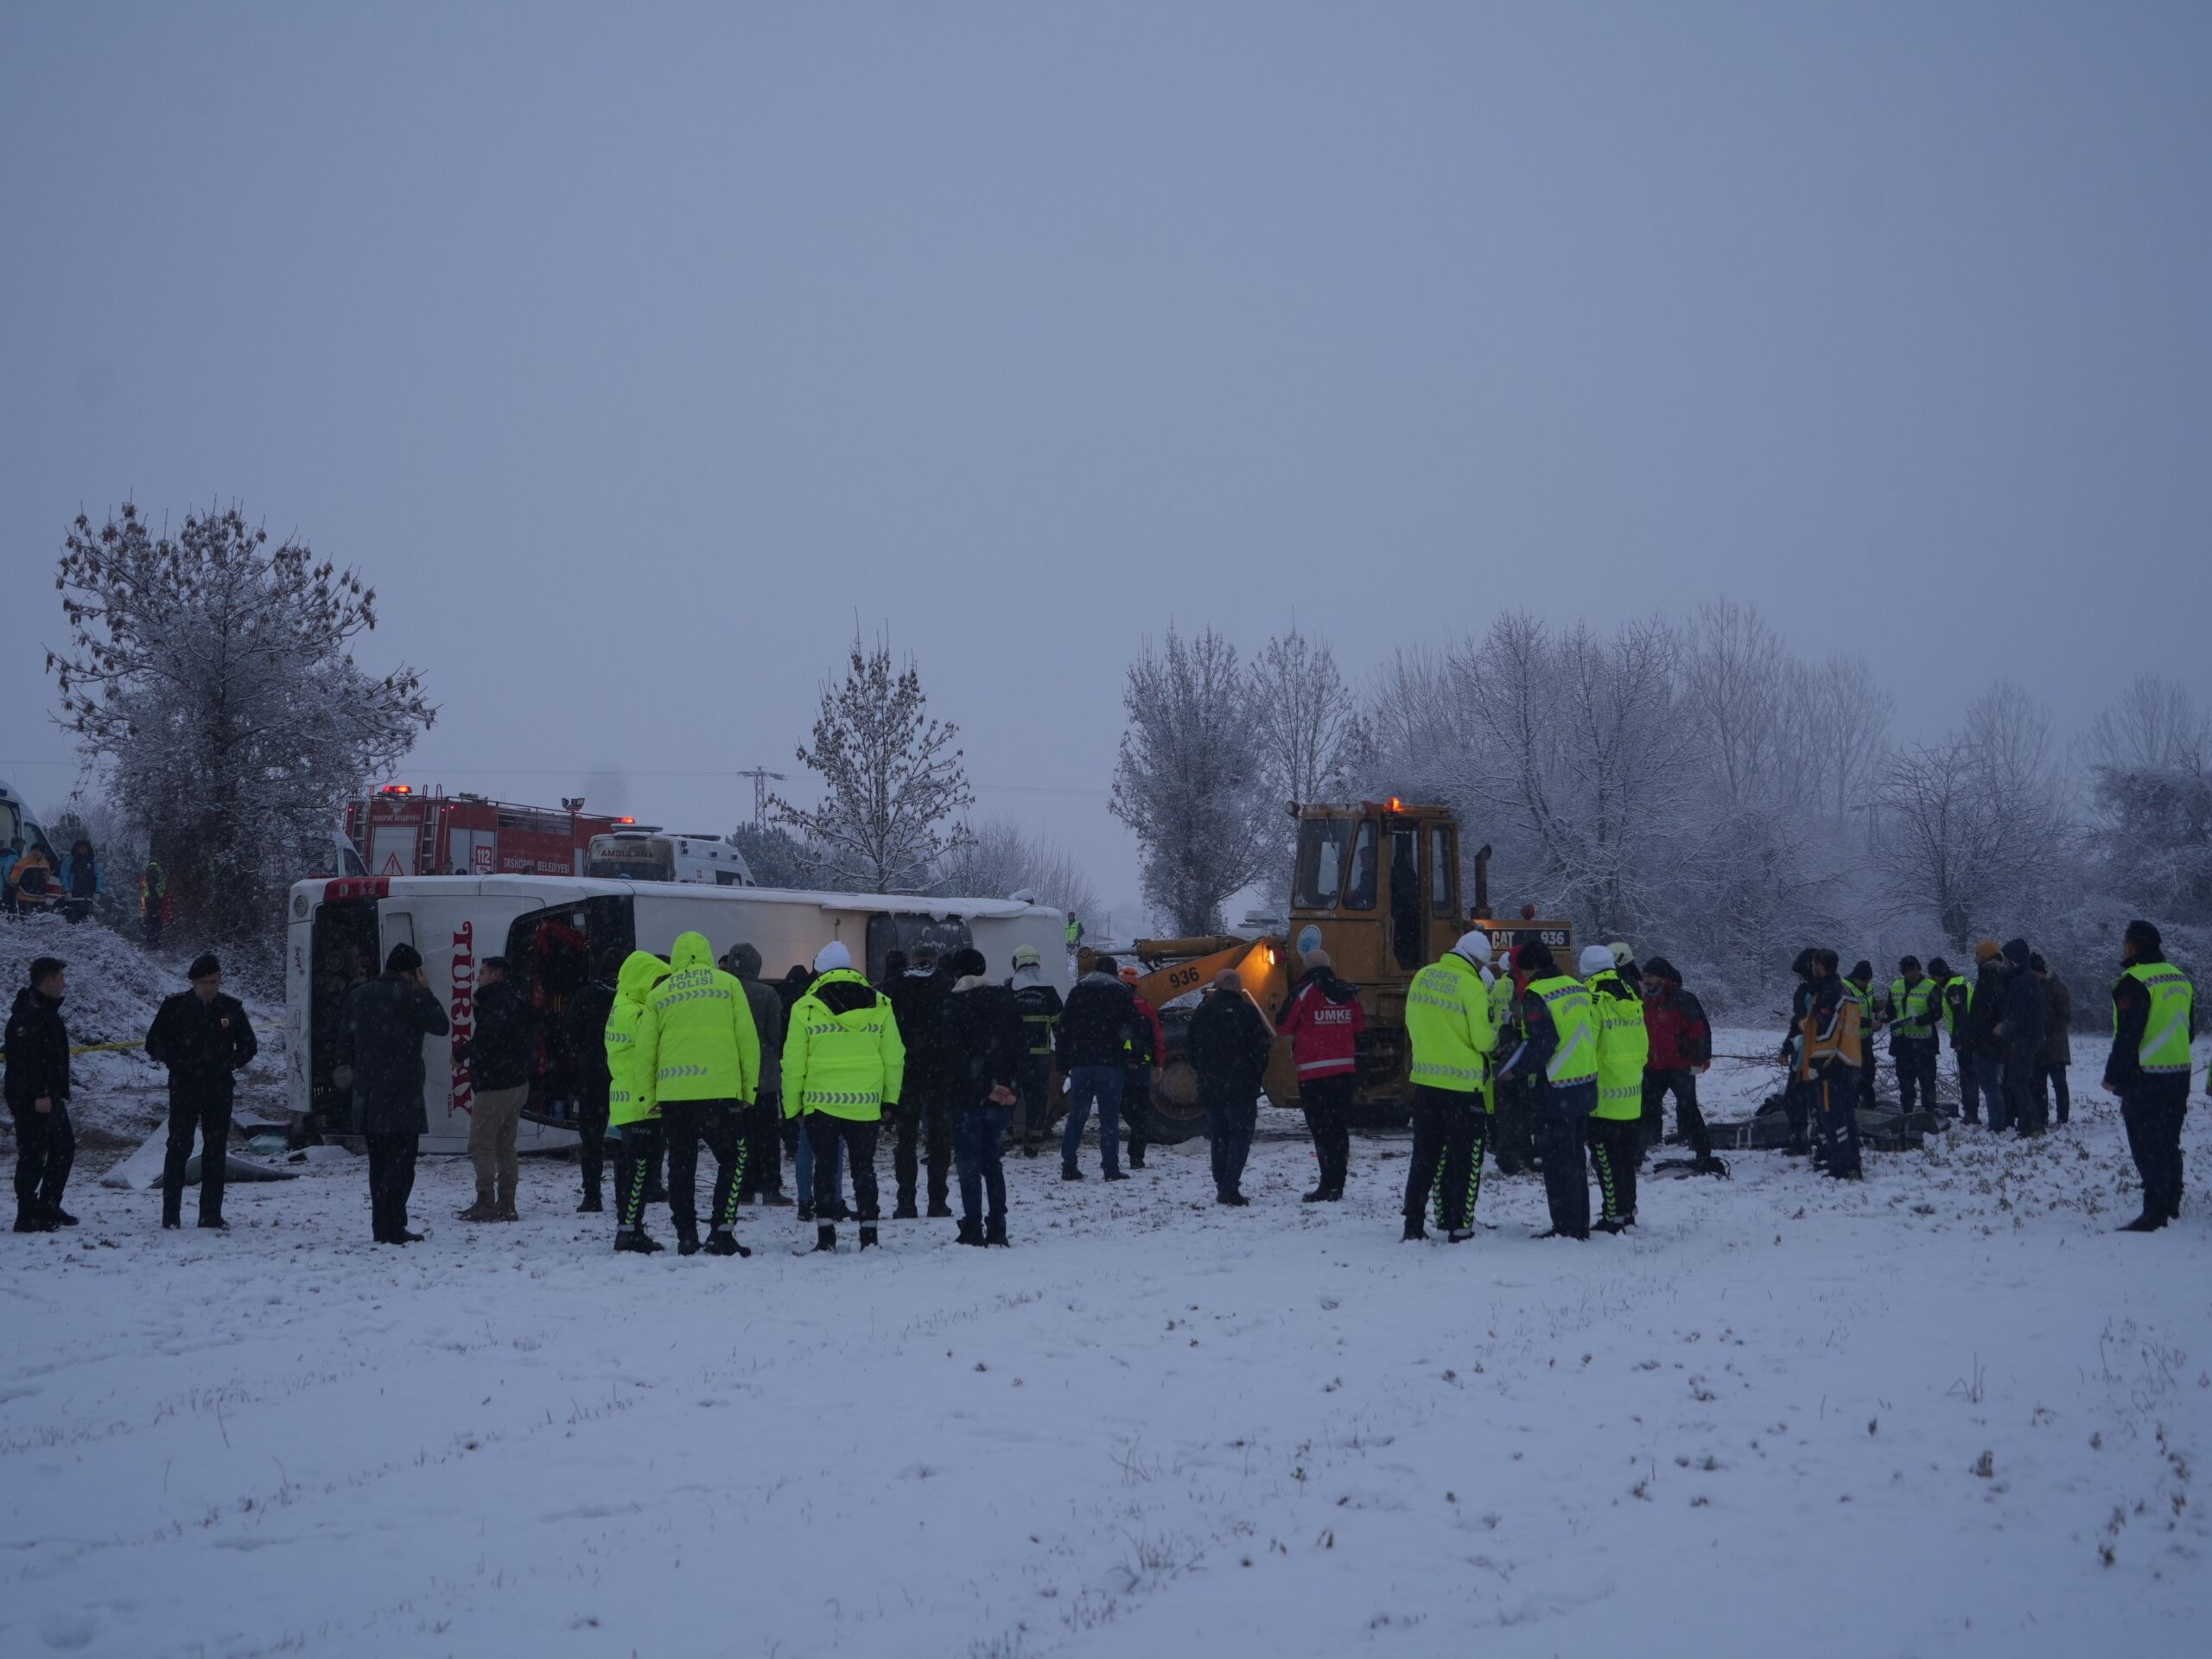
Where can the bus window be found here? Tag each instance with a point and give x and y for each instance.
(1406, 930)
(1320, 865)
(1359, 892)
(902, 933)
(1443, 872)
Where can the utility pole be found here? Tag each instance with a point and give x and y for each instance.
(760, 777)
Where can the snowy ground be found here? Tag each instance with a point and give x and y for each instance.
(1946, 1412)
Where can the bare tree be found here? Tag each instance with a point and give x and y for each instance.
(1308, 725)
(2149, 762)
(212, 677)
(892, 779)
(1000, 860)
(1191, 780)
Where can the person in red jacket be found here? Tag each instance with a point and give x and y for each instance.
(1323, 1020)
(1681, 1049)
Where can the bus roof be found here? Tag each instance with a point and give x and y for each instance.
(557, 889)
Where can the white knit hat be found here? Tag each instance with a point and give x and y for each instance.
(832, 956)
(1596, 959)
(1474, 945)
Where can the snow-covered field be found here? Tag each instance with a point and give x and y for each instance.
(1948, 1411)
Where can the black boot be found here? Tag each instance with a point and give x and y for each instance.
(687, 1239)
(635, 1241)
(825, 1239)
(60, 1216)
(994, 1230)
(216, 1222)
(590, 1206)
(905, 1211)
(29, 1220)
(1607, 1224)
(806, 1210)
(1069, 1173)
(940, 1211)
(1417, 1227)
(868, 1235)
(721, 1242)
(970, 1233)
(2146, 1222)
(1319, 1195)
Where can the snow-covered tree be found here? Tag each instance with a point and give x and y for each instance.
(892, 779)
(2150, 764)
(1000, 860)
(1192, 779)
(211, 678)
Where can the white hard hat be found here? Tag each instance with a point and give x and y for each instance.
(1025, 956)
(832, 956)
(1474, 945)
(1596, 959)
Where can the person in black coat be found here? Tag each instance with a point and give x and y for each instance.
(386, 1020)
(1985, 1013)
(1228, 1044)
(37, 1089)
(918, 997)
(1100, 1032)
(498, 1053)
(205, 1039)
(587, 1029)
(2019, 1038)
(984, 1039)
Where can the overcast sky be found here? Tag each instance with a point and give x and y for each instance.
(637, 354)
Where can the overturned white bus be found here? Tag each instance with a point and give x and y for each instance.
(557, 933)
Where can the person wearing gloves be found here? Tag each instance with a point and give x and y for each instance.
(1616, 1126)
(845, 1066)
(1323, 1020)
(1228, 1042)
(698, 1043)
(1829, 1062)
(1448, 1024)
(204, 1037)
(983, 1039)
(632, 1108)
(1040, 1002)
(2153, 1023)
(1558, 1057)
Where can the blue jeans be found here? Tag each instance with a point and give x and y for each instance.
(977, 1135)
(1086, 1084)
(805, 1164)
(1989, 1076)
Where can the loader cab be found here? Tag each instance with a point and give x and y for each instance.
(1377, 886)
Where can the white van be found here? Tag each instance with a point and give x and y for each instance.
(557, 933)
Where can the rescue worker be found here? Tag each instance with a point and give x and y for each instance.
(1858, 985)
(1915, 1001)
(1828, 1068)
(984, 1039)
(205, 1039)
(1985, 1013)
(1144, 1060)
(763, 1153)
(698, 1042)
(36, 1084)
(1099, 1029)
(153, 902)
(1954, 996)
(1450, 1029)
(1680, 1051)
(2153, 1023)
(498, 1054)
(633, 1107)
(845, 1066)
(1797, 1095)
(1616, 1125)
(8, 856)
(381, 1042)
(1512, 1134)
(918, 997)
(1040, 1002)
(2058, 1054)
(2019, 1034)
(32, 881)
(1227, 1043)
(1558, 1055)
(1323, 1020)
(589, 1007)
(83, 881)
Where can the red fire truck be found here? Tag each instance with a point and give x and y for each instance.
(398, 832)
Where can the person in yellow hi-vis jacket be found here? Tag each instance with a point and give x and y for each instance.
(699, 1043)
(1449, 1027)
(632, 1110)
(843, 1068)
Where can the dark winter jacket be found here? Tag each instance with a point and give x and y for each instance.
(1228, 1044)
(386, 1020)
(1977, 1036)
(1041, 1011)
(203, 1043)
(1099, 1025)
(2057, 1023)
(1149, 1048)
(81, 877)
(38, 1050)
(1323, 1020)
(499, 1050)
(918, 1002)
(770, 1013)
(1682, 1038)
(2020, 1036)
(983, 1041)
(587, 1032)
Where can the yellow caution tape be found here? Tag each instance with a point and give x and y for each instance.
(107, 1048)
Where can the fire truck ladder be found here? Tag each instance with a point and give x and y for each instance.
(429, 844)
